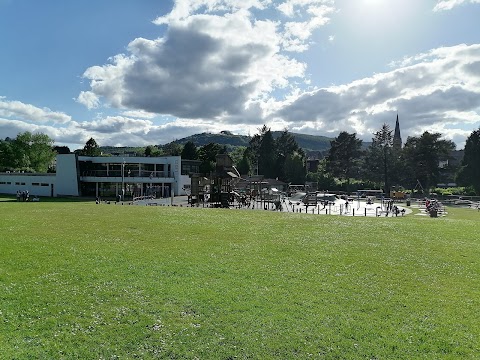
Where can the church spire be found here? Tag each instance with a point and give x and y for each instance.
(397, 138)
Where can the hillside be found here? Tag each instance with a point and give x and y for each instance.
(307, 142)
(222, 138)
(314, 145)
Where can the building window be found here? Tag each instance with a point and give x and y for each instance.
(35, 184)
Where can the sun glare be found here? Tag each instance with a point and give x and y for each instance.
(378, 14)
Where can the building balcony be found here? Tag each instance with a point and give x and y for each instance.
(127, 176)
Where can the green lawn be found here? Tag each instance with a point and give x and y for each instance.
(86, 281)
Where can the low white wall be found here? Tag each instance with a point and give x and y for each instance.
(35, 184)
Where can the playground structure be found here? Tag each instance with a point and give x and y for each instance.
(225, 188)
(398, 195)
(216, 190)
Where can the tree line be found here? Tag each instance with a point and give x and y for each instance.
(384, 165)
(348, 164)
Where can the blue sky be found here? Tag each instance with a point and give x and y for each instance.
(134, 73)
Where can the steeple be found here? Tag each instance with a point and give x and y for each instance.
(397, 138)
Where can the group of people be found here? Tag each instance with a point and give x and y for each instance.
(431, 205)
(23, 195)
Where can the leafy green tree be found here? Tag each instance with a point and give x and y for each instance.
(61, 149)
(344, 156)
(189, 151)
(91, 148)
(148, 150)
(237, 154)
(421, 158)
(469, 174)
(41, 152)
(7, 155)
(244, 166)
(208, 155)
(172, 149)
(28, 152)
(323, 179)
(21, 149)
(152, 151)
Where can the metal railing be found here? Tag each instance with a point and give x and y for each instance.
(127, 173)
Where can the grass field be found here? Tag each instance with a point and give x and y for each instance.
(86, 281)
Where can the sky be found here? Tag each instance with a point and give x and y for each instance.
(147, 72)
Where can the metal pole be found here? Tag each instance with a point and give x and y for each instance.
(123, 179)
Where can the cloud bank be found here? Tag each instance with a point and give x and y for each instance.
(236, 65)
(450, 4)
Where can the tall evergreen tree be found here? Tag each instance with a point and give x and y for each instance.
(295, 169)
(189, 151)
(421, 157)
(343, 157)
(379, 158)
(469, 174)
(91, 148)
(286, 147)
(267, 156)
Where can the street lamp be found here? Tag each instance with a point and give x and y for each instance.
(123, 180)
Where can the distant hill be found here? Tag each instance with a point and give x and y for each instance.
(309, 143)
(222, 138)
(315, 146)
(122, 150)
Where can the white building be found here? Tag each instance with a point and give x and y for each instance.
(103, 177)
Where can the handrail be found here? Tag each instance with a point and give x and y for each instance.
(127, 174)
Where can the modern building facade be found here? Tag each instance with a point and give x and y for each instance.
(101, 177)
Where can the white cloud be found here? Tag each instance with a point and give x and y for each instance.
(89, 99)
(139, 114)
(297, 33)
(219, 65)
(19, 110)
(450, 4)
(435, 91)
(183, 9)
(117, 124)
(62, 135)
(438, 89)
(215, 59)
(206, 66)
